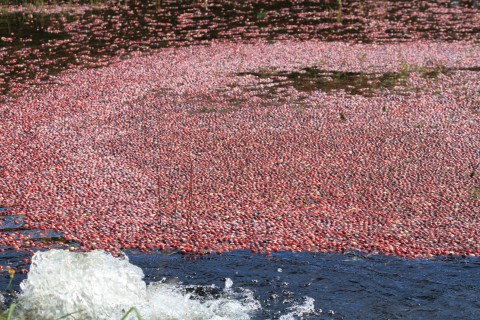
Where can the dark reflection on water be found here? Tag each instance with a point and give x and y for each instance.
(311, 79)
(40, 41)
(354, 83)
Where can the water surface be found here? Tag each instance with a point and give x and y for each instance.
(344, 286)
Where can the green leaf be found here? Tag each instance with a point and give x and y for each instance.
(132, 309)
(68, 315)
(10, 311)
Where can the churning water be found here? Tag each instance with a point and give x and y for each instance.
(96, 285)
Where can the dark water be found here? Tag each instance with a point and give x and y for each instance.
(352, 286)
(344, 286)
(37, 42)
(353, 83)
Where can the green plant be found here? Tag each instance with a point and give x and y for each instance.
(9, 313)
(432, 72)
(68, 315)
(339, 12)
(404, 70)
(360, 6)
(265, 73)
(475, 193)
(132, 309)
(11, 274)
(420, 124)
(262, 14)
(13, 305)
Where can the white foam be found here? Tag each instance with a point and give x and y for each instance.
(300, 310)
(97, 286)
(228, 283)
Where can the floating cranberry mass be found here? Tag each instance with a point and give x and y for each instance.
(214, 148)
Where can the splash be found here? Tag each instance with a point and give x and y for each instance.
(301, 310)
(95, 285)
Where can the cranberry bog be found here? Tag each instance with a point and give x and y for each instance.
(231, 146)
(260, 140)
(289, 129)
